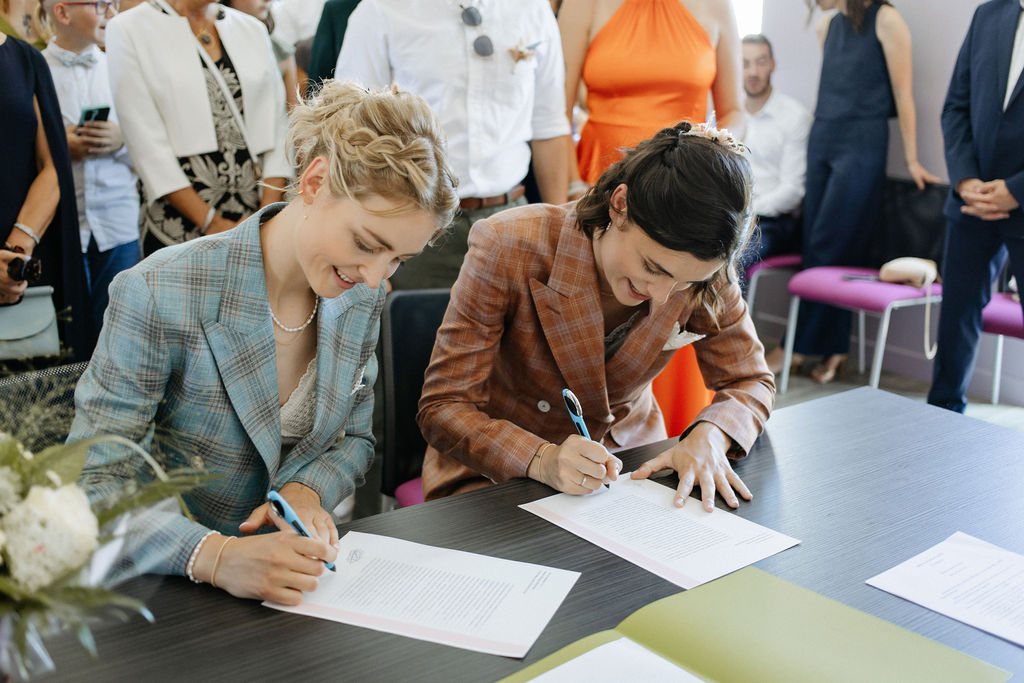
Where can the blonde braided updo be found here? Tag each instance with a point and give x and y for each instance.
(384, 142)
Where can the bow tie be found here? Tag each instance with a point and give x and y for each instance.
(87, 59)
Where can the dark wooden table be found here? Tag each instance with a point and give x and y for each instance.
(864, 479)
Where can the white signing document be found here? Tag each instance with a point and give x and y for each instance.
(967, 579)
(636, 520)
(443, 596)
(619, 660)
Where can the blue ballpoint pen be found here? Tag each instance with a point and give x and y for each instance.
(572, 404)
(287, 514)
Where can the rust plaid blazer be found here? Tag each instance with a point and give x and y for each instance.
(525, 321)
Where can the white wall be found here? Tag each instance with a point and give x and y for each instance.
(938, 28)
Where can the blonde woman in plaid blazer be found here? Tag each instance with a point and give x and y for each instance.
(203, 343)
(596, 297)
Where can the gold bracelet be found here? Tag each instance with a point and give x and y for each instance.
(540, 451)
(216, 562)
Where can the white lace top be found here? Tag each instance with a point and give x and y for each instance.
(297, 412)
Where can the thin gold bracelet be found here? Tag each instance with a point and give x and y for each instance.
(540, 451)
(216, 562)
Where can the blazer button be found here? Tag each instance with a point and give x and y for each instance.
(543, 406)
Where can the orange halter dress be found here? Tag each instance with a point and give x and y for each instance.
(650, 66)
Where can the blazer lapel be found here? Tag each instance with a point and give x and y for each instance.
(242, 341)
(645, 342)
(1005, 34)
(332, 379)
(569, 310)
(338, 373)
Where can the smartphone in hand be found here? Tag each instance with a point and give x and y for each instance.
(94, 114)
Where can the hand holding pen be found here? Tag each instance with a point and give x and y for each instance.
(285, 512)
(578, 465)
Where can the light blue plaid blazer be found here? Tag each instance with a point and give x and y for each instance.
(186, 367)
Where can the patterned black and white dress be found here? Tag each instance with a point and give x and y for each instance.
(226, 179)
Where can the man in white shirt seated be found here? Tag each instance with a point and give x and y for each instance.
(494, 74)
(777, 130)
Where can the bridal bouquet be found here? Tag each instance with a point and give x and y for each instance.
(52, 544)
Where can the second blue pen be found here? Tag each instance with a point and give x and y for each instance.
(576, 413)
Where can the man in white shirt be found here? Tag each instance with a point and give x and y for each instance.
(105, 184)
(296, 20)
(494, 73)
(777, 130)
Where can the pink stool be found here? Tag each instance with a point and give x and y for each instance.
(409, 493)
(783, 263)
(1001, 317)
(831, 285)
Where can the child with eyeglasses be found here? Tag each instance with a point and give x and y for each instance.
(105, 184)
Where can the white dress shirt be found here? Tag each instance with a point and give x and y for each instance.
(105, 192)
(296, 20)
(490, 107)
(777, 139)
(1016, 59)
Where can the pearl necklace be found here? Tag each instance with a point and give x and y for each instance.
(300, 328)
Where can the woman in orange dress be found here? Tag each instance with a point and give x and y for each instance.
(647, 64)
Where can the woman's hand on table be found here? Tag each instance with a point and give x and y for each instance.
(576, 466)
(306, 504)
(700, 460)
(278, 567)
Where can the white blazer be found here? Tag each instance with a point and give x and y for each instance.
(156, 75)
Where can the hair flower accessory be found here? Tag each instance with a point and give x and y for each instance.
(719, 136)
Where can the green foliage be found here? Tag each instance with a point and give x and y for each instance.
(177, 482)
(64, 603)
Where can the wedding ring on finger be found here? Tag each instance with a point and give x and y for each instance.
(583, 482)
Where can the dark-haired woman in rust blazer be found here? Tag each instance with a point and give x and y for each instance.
(596, 297)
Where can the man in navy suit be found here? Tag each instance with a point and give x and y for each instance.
(983, 126)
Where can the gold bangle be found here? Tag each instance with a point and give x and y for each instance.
(540, 451)
(216, 562)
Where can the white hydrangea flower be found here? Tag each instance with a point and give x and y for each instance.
(50, 533)
(10, 485)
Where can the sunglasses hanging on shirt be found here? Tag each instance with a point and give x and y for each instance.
(471, 17)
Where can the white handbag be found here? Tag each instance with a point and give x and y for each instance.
(920, 273)
(29, 329)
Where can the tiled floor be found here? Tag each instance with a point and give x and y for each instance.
(803, 388)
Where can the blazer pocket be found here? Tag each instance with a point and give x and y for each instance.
(679, 338)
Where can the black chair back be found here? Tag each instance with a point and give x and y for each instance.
(912, 223)
(38, 407)
(408, 328)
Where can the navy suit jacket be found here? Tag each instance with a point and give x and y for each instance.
(982, 140)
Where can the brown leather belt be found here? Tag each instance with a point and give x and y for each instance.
(471, 203)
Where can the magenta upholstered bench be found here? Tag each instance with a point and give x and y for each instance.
(1003, 318)
(409, 493)
(783, 263)
(830, 285)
